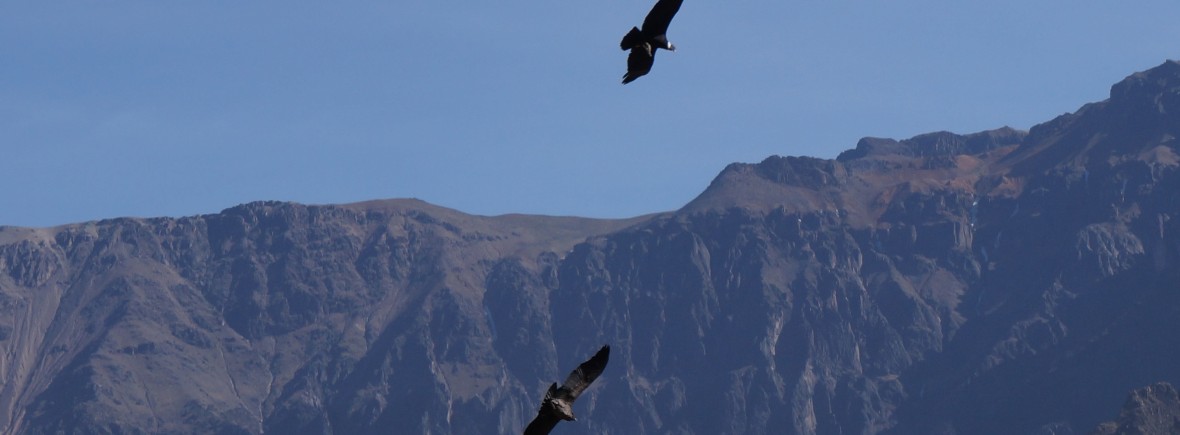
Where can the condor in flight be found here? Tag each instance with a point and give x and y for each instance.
(558, 402)
(644, 42)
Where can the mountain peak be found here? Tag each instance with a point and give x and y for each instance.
(941, 143)
(1153, 83)
(1138, 122)
(793, 183)
(856, 183)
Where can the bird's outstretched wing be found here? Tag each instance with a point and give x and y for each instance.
(545, 421)
(639, 62)
(586, 373)
(631, 39)
(541, 425)
(660, 16)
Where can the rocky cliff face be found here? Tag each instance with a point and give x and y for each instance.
(999, 282)
(280, 318)
(1154, 409)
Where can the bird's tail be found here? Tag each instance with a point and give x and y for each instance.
(631, 39)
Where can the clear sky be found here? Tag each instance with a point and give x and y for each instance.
(168, 108)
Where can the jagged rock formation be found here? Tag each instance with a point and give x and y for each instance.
(999, 282)
(1151, 410)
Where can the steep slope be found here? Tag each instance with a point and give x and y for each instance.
(997, 282)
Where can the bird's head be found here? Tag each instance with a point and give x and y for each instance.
(662, 42)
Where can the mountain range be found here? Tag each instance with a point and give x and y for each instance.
(1006, 281)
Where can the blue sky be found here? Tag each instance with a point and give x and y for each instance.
(161, 108)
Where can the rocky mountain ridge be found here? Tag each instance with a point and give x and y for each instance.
(997, 282)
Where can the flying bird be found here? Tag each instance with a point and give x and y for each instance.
(558, 402)
(644, 42)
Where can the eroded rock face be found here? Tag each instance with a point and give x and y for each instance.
(998, 282)
(1150, 410)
